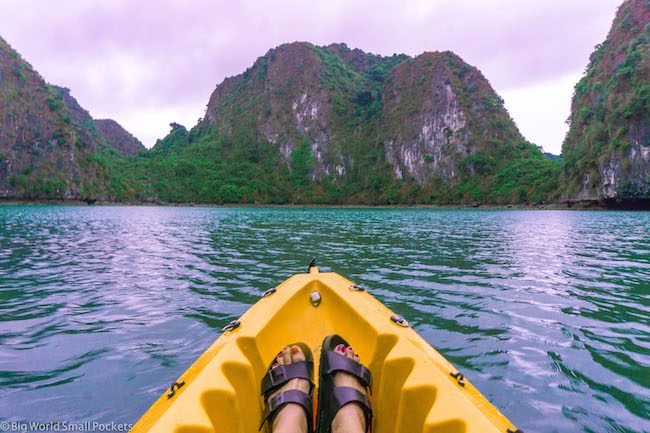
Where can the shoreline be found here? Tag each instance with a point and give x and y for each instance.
(597, 206)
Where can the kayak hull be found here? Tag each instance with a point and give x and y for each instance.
(415, 388)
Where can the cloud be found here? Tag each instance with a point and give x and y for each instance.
(162, 58)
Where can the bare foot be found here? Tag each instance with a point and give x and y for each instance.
(350, 418)
(292, 417)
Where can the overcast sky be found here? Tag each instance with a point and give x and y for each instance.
(146, 63)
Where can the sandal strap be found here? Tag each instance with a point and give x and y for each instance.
(337, 362)
(281, 374)
(278, 401)
(345, 395)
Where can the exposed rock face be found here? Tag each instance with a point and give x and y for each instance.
(436, 110)
(423, 114)
(279, 100)
(607, 150)
(118, 138)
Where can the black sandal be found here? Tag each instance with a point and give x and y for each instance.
(276, 377)
(332, 398)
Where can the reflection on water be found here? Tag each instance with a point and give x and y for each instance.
(547, 312)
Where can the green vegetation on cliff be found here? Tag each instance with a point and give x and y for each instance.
(50, 147)
(309, 124)
(44, 149)
(192, 175)
(607, 150)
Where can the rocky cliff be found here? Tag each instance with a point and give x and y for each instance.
(333, 124)
(303, 124)
(427, 113)
(607, 149)
(438, 111)
(48, 143)
(43, 150)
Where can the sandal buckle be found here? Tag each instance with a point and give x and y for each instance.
(277, 375)
(276, 401)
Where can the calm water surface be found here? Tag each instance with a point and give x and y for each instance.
(547, 313)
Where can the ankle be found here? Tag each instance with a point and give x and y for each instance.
(349, 419)
(291, 419)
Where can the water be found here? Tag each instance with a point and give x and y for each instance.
(547, 312)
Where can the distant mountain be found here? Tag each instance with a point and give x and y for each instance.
(607, 149)
(338, 125)
(104, 129)
(48, 144)
(552, 156)
(119, 138)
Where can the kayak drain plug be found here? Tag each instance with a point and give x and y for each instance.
(315, 298)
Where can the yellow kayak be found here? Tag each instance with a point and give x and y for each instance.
(415, 388)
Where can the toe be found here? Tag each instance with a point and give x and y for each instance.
(340, 349)
(275, 364)
(286, 355)
(349, 352)
(279, 360)
(297, 354)
(356, 357)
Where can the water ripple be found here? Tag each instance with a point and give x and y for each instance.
(547, 312)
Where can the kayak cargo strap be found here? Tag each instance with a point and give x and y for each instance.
(175, 387)
(268, 292)
(458, 375)
(232, 325)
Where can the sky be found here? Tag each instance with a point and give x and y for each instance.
(146, 63)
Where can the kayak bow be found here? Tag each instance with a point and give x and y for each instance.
(416, 389)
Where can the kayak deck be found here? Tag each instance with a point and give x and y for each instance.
(415, 388)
